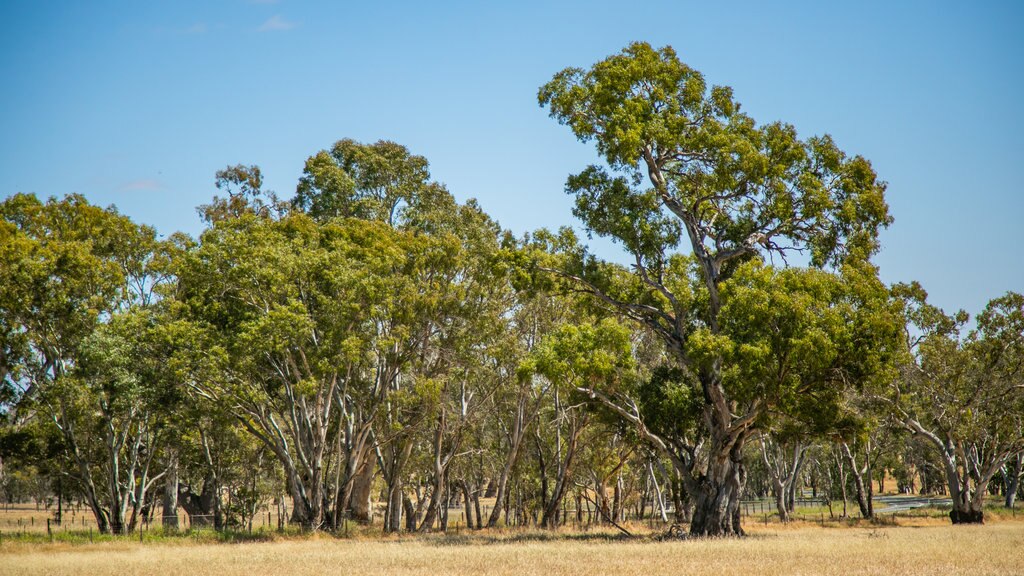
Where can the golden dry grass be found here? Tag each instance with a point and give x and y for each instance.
(992, 549)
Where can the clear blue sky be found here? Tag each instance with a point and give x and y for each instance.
(138, 103)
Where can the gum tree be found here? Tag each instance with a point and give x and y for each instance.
(732, 192)
(964, 393)
(76, 286)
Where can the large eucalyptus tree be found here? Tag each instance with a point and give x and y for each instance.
(736, 194)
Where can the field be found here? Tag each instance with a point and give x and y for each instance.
(927, 547)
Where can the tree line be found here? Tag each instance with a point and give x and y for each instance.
(371, 339)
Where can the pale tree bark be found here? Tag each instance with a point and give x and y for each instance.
(90, 492)
(523, 415)
(393, 459)
(446, 445)
(659, 496)
(784, 467)
(362, 487)
(861, 480)
(1011, 476)
(566, 461)
(969, 468)
(170, 501)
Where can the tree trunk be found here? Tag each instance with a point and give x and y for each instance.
(393, 513)
(467, 496)
(550, 517)
(362, 487)
(516, 435)
(170, 503)
(717, 492)
(411, 513)
(1012, 480)
(863, 490)
(203, 508)
(658, 495)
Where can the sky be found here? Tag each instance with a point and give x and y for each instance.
(137, 104)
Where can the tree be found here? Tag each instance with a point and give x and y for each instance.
(574, 358)
(79, 283)
(964, 393)
(738, 192)
(295, 310)
(381, 181)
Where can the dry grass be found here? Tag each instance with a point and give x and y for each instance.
(946, 550)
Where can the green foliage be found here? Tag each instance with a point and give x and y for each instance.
(380, 181)
(779, 342)
(737, 187)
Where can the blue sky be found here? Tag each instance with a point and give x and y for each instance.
(137, 104)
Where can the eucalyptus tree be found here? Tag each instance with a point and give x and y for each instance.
(382, 181)
(1012, 472)
(471, 301)
(734, 192)
(79, 284)
(784, 456)
(865, 448)
(541, 306)
(575, 357)
(964, 393)
(458, 312)
(294, 310)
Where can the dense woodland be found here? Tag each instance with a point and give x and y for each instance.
(371, 350)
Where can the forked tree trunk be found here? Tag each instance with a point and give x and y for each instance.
(967, 473)
(516, 434)
(658, 495)
(550, 517)
(199, 507)
(392, 467)
(783, 473)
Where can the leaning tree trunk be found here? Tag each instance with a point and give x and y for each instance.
(657, 492)
(863, 489)
(516, 434)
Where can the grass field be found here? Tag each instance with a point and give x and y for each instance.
(929, 548)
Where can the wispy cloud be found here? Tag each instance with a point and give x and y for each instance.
(142, 185)
(197, 28)
(276, 23)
